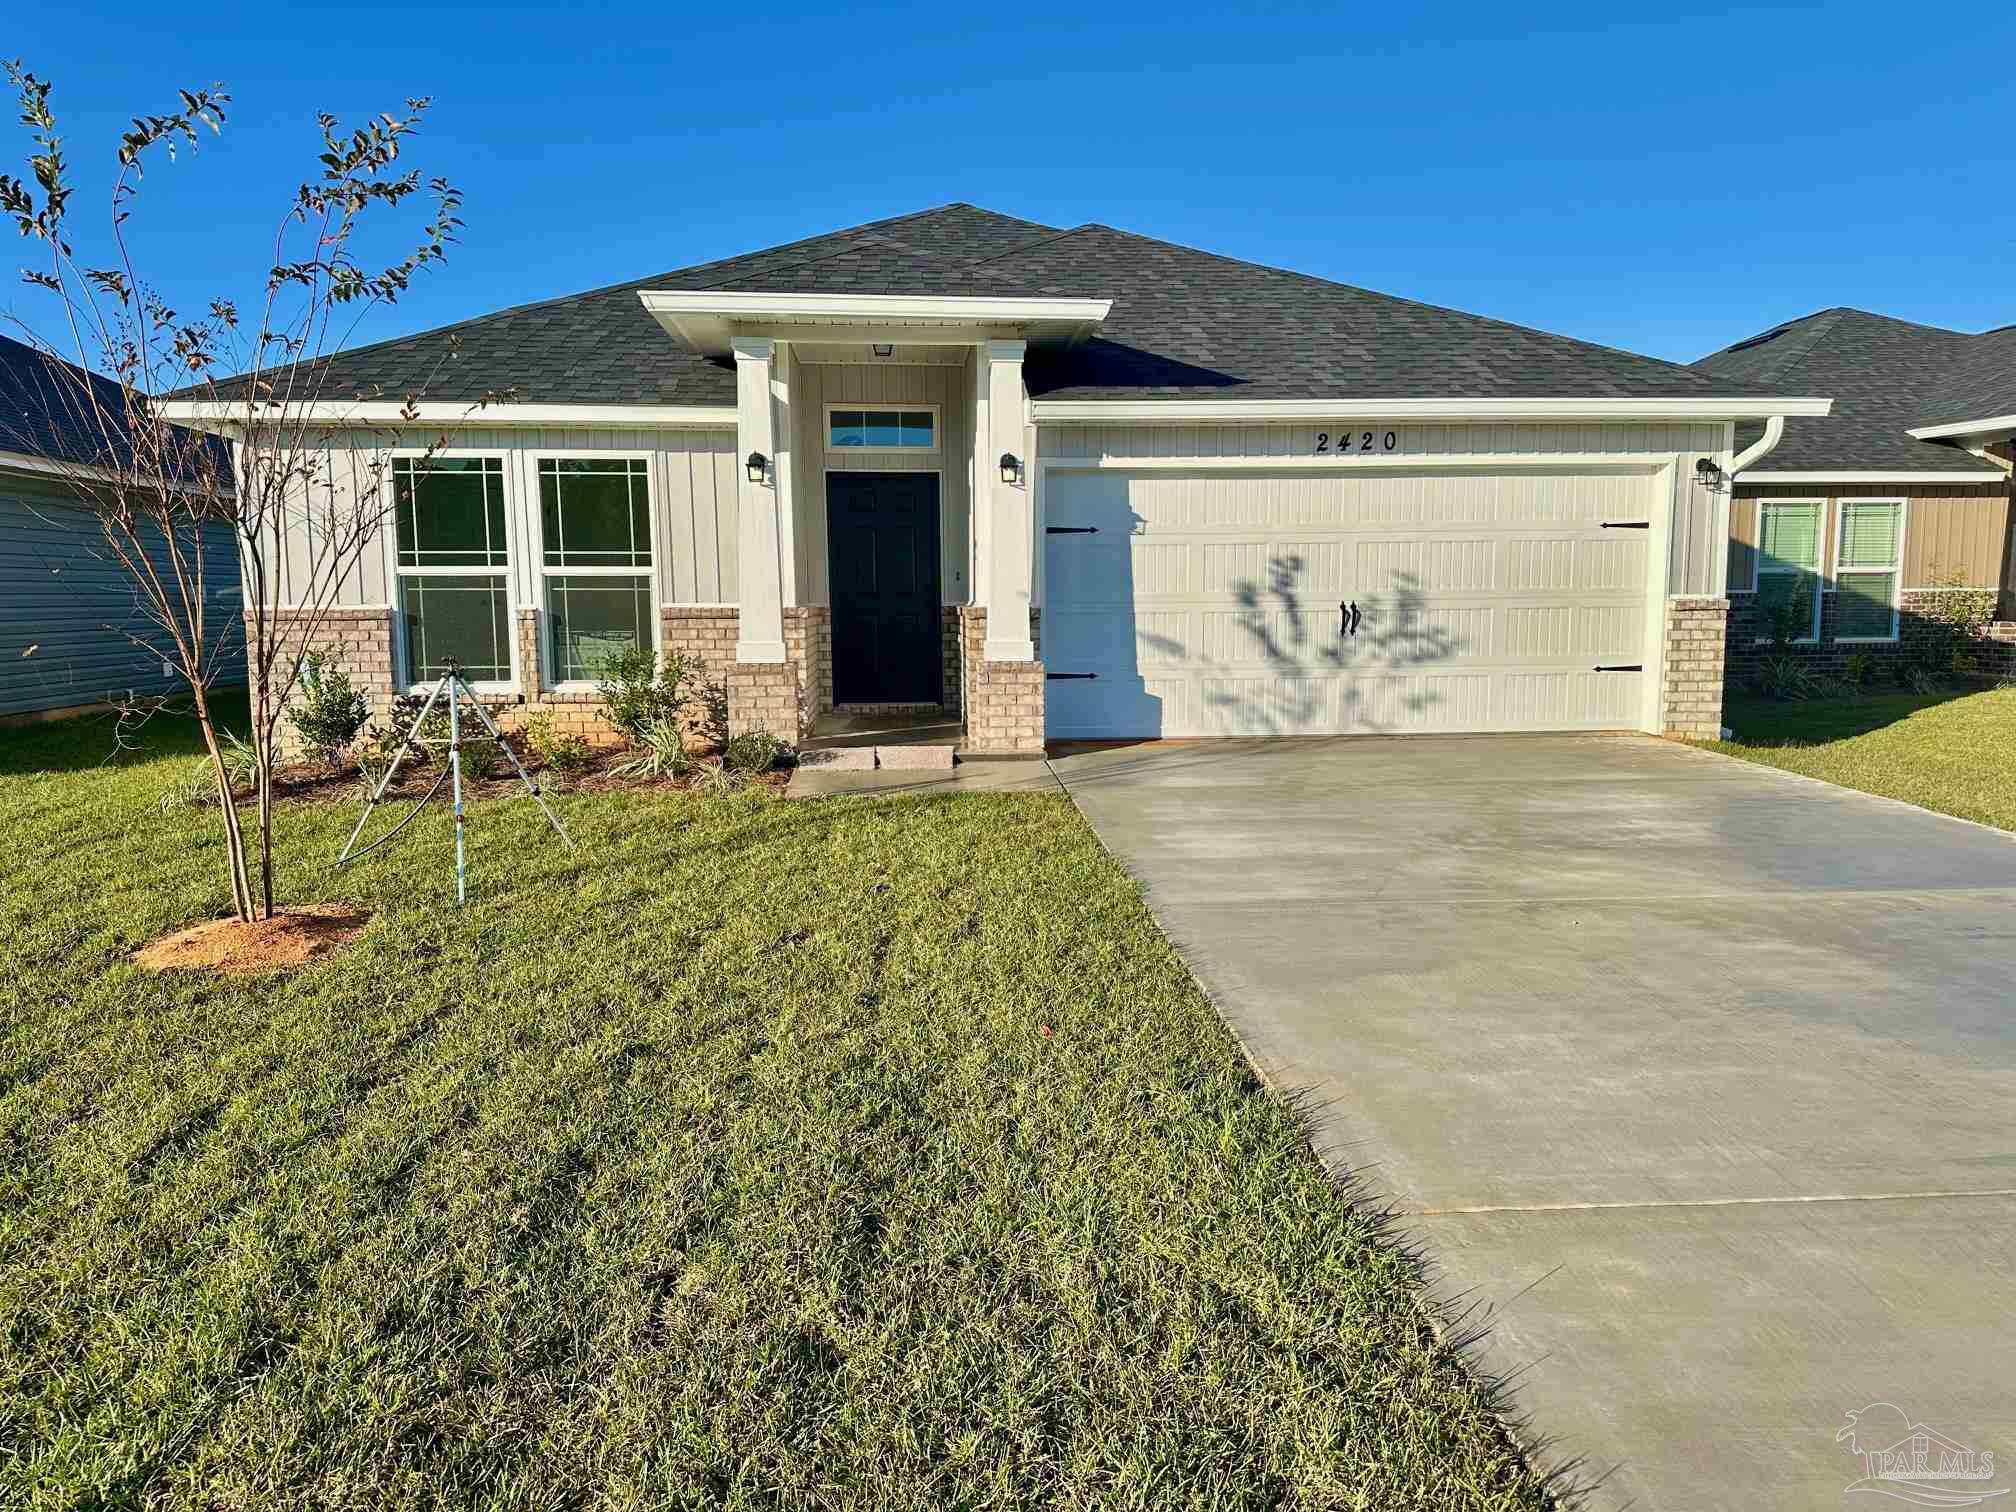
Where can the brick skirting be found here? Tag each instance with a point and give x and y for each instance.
(1003, 700)
(1696, 634)
(1919, 638)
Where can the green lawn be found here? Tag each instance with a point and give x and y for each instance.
(1953, 753)
(850, 1154)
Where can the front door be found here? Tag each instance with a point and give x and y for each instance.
(882, 544)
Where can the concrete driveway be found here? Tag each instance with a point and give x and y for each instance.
(1700, 1077)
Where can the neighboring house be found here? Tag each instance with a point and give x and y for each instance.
(67, 609)
(1071, 483)
(1861, 518)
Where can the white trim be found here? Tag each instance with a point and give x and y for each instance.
(885, 406)
(1762, 447)
(458, 412)
(1871, 477)
(1895, 570)
(1963, 428)
(1819, 556)
(1355, 462)
(536, 517)
(1186, 411)
(741, 305)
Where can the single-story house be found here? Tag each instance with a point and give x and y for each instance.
(68, 611)
(1900, 495)
(1067, 482)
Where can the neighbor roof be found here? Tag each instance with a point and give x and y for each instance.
(38, 409)
(1883, 376)
(1982, 386)
(1185, 324)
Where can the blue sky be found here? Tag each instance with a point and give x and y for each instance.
(1666, 184)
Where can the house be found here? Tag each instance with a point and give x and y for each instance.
(1067, 482)
(1862, 518)
(68, 611)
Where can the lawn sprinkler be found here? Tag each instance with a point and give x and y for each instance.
(453, 691)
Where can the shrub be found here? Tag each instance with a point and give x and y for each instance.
(1858, 669)
(1954, 619)
(716, 779)
(661, 752)
(714, 717)
(480, 758)
(639, 688)
(1786, 677)
(328, 709)
(754, 751)
(567, 754)
(196, 783)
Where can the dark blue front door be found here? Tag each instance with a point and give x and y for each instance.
(882, 548)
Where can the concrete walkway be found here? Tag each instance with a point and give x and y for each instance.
(1699, 1077)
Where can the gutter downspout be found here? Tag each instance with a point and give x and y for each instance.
(1774, 432)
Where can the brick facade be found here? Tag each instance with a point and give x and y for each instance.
(764, 696)
(1003, 700)
(1696, 635)
(356, 641)
(1920, 639)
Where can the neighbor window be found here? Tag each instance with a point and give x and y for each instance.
(595, 518)
(891, 429)
(1788, 565)
(1866, 569)
(452, 552)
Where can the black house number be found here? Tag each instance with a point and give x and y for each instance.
(1350, 444)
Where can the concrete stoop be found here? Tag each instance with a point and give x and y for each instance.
(912, 758)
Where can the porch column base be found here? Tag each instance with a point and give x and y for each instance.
(1697, 640)
(1002, 700)
(764, 696)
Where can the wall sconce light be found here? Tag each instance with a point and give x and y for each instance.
(759, 468)
(882, 348)
(1708, 475)
(1011, 468)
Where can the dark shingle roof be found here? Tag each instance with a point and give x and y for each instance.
(39, 409)
(1184, 324)
(1880, 374)
(1982, 386)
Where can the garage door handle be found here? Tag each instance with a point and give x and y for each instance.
(1070, 530)
(1627, 524)
(1624, 667)
(1348, 619)
(1070, 677)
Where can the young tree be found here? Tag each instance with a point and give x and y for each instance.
(276, 459)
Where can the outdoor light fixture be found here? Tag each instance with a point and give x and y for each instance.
(882, 349)
(1708, 475)
(759, 468)
(1011, 468)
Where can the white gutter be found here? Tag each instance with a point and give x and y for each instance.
(1774, 432)
(881, 307)
(1188, 411)
(2005, 423)
(1869, 477)
(433, 412)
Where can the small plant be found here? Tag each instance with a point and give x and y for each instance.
(639, 688)
(714, 713)
(568, 755)
(753, 751)
(328, 709)
(196, 784)
(1920, 678)
(1787, 678)
(480, 758)
(661, 752)
(716, 780)
(1858, 669)
(371, 769)
(1955, 617)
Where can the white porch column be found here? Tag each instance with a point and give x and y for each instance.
(760, 560)
(1010, 535)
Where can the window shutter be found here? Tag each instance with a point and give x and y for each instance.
(1788, 536)
(1869, 534)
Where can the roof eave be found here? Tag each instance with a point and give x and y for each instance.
(708, 320)
(1178, 411)
(1994, 425)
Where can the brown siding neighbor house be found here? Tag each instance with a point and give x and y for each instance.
(1868, 518)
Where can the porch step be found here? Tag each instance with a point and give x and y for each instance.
(915, 757)
(912, 758)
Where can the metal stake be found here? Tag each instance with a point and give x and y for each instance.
(455, 767)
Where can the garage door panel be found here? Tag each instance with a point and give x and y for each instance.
(1484, 602)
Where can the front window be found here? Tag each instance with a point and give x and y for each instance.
(1788, 566)
(452, 556)
(1867, 569)
(883, 429)
(596, 519)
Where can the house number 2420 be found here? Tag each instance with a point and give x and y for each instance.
(1349, 444)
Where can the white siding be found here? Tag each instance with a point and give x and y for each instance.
(814, 385)
(1697, 544)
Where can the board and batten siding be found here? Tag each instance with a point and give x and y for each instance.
(815, 385)
(63, 593)
(1695, 554)
(694, 480)
(1948, 528)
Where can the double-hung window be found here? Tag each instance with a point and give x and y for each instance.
(453, 555)
(595, 517)
(1788, 566)
(1867, 567)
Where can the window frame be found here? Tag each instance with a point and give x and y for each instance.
(1757, 572)
(536, 507)
(1895, 569)
(397, 573)
(897, 406)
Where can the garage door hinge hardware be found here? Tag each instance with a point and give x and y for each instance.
(1630, 667)
(1070, 677)
(1348, 619)
(1627, 524)
(1070, 530)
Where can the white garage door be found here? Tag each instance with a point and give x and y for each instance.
(1312, 603)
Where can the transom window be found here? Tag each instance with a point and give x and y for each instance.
(1788, 565)
(883, 429)
(1867, 567)
(452, 549)
(595, 514)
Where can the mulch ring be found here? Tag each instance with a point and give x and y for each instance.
(293, 938)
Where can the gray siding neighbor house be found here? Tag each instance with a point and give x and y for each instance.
(67, 609)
